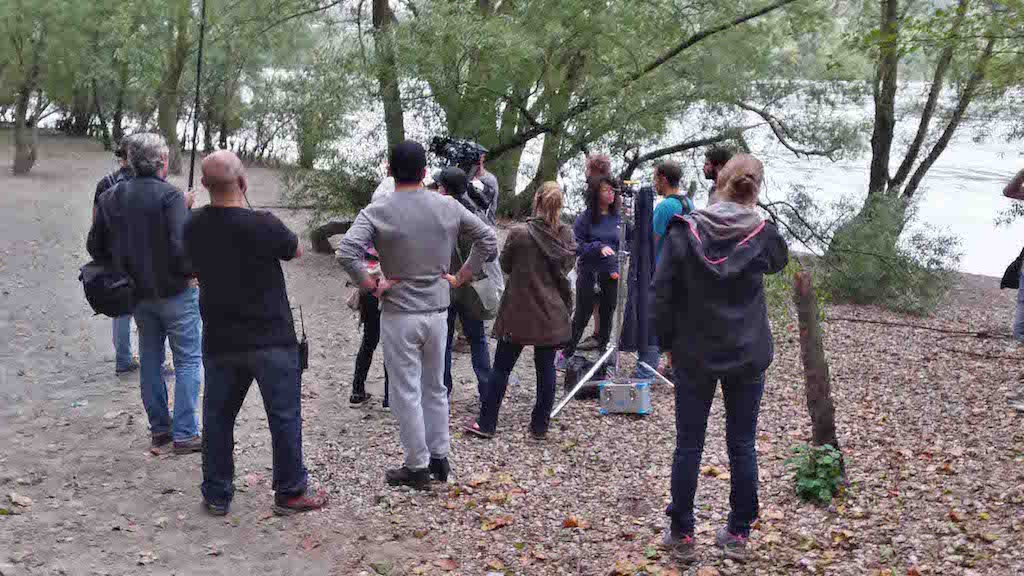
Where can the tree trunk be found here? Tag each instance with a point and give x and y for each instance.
(817, 382)
(886, 77)
(387, 73)
(25, 136)
(104, 131)
(169, 98)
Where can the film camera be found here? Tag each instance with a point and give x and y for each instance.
(461, 153)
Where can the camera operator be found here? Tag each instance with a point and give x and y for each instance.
(453, 182)
(469, 157)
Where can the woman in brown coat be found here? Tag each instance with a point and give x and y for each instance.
(534, 311)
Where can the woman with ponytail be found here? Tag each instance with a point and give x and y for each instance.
(709, 304)
(534, 311)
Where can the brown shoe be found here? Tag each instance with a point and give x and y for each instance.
(190, 446)
(305, 502)
(159, 443)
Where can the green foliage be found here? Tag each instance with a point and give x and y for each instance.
(818, 472)
(341, 189)
(868, 263)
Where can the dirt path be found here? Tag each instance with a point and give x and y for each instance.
(936, 459)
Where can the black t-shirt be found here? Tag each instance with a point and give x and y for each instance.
(236, 254)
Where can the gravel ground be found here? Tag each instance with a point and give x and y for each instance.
(934, 455)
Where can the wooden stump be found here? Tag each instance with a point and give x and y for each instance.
(320, 235)
(817, 382)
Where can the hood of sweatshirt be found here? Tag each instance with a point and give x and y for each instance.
(550, 244)
(726, 237)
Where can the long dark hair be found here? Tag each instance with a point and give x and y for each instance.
(594, 195)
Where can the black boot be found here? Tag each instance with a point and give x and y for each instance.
(418, 479)
(439, 469)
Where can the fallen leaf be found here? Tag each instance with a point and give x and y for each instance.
(651, 553)
(19, 500)
(624, 568)
(989, 537)
(495, 564)
(575, 522)
(446, 564)
(479, 479)
(708, 571)
(913, 571)
(212, 550)
(495, 523)
(713, 471)
(309, 543)
(497, 498)
(147, 557)
(383, 568)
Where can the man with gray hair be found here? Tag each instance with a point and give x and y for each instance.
(139, 227)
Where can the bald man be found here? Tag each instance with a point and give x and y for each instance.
(248, 334)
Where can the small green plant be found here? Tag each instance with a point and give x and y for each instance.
(819, 472)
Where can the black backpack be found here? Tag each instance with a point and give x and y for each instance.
(576, 368)
(1011, 278)
(109, 291)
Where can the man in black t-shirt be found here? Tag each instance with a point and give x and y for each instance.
(248, 333)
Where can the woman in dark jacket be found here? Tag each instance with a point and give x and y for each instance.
(709, 303)
(534, 310)
(597, 243)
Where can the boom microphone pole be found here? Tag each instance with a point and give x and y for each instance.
(195, 108)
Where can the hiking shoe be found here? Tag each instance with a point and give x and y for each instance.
(439, 469)
(189, 446)
(305, 502)
(216, 509)
(589, 344)
(358, 398)
(417, 479)
(559, 361)
(158, 443)
(680, 548)
(733, 546)
(131, 367)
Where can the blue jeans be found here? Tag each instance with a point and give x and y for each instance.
(650, 355)
(175, 319)
(122, 342)
(494, 392)
(480, 354)
(228, 376)
(694, 393)
(1018, 323)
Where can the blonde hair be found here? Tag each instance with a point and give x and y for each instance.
(547, 203)
(740, 180)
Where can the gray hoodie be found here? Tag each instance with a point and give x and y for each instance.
(414, 232)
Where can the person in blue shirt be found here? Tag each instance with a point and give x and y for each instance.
(597, 243)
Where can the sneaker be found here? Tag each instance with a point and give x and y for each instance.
(305, 502)
(158, 443)
(358, 398)
(733, 546)
(131, 367)
(589, 344)
(190, 446)
(559, 361)
(216, 509)
(439, 469)
(417, 479)
(680, 548)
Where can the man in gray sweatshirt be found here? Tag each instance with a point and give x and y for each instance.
(414, 232)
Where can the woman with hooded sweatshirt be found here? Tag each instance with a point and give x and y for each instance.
(709, 303)
(534, 311)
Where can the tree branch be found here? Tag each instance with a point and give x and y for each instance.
(941, 67)
(300, 14)
(639, 159)
(585, 105)
(780, 131)
(954, 122)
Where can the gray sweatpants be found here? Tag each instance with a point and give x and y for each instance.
(413, 346)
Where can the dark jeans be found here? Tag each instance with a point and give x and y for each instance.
(228, 377)
(480, 354)
(585, 298)
(494, 392)
(369, 314)
(694, 393)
